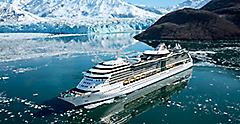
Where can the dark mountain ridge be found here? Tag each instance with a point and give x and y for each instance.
(217, 20)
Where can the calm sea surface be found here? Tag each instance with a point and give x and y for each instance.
(35, 69)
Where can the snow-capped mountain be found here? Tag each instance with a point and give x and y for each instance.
(76, 9)
(78, 16)
(151, 9)
(13, 13)
(195, 4)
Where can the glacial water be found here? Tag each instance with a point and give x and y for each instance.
(36, 68)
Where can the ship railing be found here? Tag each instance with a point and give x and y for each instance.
(141, 76)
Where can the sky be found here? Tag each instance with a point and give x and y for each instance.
(156, 3)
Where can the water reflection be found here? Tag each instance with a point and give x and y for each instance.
(33, 46)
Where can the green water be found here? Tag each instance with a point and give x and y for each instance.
(29, 87)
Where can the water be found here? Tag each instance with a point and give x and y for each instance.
(34, 70)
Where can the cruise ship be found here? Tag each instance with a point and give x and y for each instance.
(117, 78)
(144, 99)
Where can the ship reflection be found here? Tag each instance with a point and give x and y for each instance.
(142, 100)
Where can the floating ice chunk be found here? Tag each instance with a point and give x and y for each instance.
(81, 110)
(36, 106)
(178, 105)
(23, 100)
(22, 70)
(230, 107)
(27, 103)
(35, 94)
(4, 78)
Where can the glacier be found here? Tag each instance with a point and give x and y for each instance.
(80, 16)
(84, 27)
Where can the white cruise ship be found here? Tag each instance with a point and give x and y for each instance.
(116, 78)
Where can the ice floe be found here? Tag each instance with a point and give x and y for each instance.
(22, 70)
(4, 78)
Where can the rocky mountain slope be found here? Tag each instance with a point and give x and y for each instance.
(218, 20)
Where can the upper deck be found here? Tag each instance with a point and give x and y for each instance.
(105, 69)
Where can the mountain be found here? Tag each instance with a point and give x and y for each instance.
(75, 16)
(85, 8)
(195, 4)
(219, 19)
(151, 9)
(13, 13)
(229, 9)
